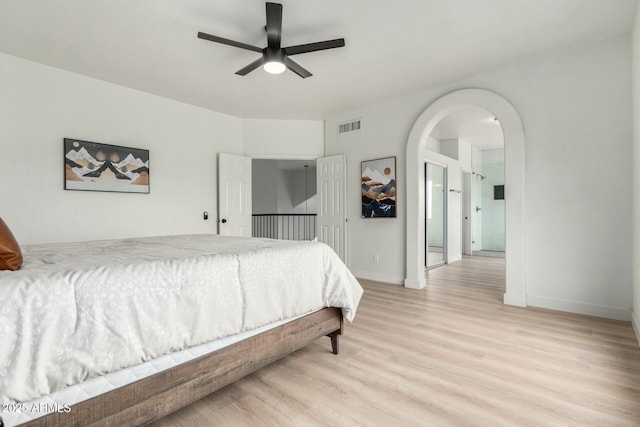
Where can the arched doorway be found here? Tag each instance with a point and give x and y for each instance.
(515, 293)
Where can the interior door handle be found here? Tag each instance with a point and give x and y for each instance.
(478, 208)
(224, 220)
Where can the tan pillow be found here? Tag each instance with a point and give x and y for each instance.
(10, 254)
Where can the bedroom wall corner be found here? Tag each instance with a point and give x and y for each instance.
(283, 139)
(41, 105)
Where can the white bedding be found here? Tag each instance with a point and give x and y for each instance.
(78, 310)
(14, 414)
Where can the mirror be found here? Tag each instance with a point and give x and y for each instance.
(436, 214)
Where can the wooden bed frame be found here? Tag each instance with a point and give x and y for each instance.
(152, 398)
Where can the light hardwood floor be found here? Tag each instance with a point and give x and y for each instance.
(451, 354)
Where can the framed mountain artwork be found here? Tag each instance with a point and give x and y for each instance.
(379, 188)
(92, 166)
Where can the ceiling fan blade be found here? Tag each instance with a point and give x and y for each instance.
(233, 43)
(313, 47)
(249, 68)
(296, 68)
(274, 25)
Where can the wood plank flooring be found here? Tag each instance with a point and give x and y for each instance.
(450, 354)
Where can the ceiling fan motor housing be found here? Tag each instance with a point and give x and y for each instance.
(273, 55)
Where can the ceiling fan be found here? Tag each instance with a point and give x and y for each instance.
(275, 59)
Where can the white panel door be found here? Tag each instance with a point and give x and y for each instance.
(332, 203)
(234, 195)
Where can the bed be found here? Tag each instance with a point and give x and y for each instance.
(123, 332)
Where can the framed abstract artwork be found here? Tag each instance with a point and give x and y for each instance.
(92, 166)
(378, 188)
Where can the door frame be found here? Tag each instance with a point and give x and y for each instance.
(514, 144)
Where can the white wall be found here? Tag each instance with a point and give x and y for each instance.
(40, 105)
(283, 139)
(457, 149)
(282, 191)
(449, 148)
(293, 198)
(636, 173)
(575, 107)
(433, 145)
(264, 190)
(495, 155)
(465, 150)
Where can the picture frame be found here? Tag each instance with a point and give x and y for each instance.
(93, 166)
(378, 188)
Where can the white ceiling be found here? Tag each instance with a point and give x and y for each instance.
(392, 48)
(472, 124)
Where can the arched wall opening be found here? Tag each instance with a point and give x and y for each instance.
(515, 290)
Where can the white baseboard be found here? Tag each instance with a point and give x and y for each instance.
(378, 277)
(515, 299)
(413, 284)
(635, 322)
(580, 308)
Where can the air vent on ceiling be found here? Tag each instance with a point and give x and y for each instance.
(349, 126)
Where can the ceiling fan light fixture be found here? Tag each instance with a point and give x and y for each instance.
(274, 67)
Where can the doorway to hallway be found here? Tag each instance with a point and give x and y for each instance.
(284, 201)
(417, 150)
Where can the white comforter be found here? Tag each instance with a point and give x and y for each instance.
(78, 310)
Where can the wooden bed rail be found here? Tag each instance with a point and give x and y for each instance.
(153, 397)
